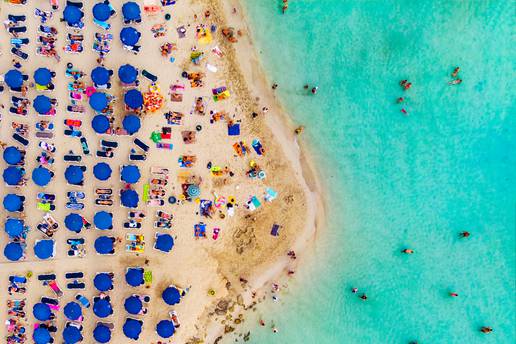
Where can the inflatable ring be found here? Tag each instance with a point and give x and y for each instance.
(261, 175)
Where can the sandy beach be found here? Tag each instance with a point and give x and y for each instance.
(212, 269)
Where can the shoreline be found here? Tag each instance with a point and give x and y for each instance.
(249, 68)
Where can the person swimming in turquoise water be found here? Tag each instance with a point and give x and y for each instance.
(486, 329)
(464, 234)
(407, 251)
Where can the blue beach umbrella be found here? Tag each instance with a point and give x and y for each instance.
(102, 308)
(130, 174)
(134, 277)
(103, 281)
(72, 335)
(41, 176)
(13, 78)
(12, 175)
(100, 124)
(74, 222)
(129, 36)
(104, 245)
(13, 251)
(131, 11)
(72, 310)
(132, 328)
(102, 333)
(133, 99)
(165, 328)
(13, 227)
(41, 311)
(74, 175)
(13, 202)
(100, 75)
(44, 249)
(42, 104)
(98, 101)
(41, 335)
(171, 296)
(101, 11)
(131, 123)
(103, 220)
(102, 171)
(72, 14)
(133, 305)
(164, 242)
(12, 155)
(127, 74)
(129, 198)
(43, 76)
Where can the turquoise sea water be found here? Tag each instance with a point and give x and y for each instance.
(396, 181)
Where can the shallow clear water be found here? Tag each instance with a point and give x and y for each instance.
(396, 181)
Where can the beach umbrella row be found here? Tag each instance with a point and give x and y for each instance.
(41, 311)
(130, 174)
(102, 171)
(74, 222)
(165, 328)
(41, 335)
(74, 174)
(101, 75)
(130, 36)
(41, 176)
(100, 124)
(14, 78)
(101, 11)
(102, 308)
(164, 242)
(42, 104)
(132, 328)
(134, 277)
(12, 175)
(133, 305)
(131, 123)
(44, 249)
(131, 11)
(13, 251)
(73, 310)
(43, 76)
(171, 295)
(72, 15)
(102, 333)
(98, 101)
(14, 227)
(133, 99)
(72, 335)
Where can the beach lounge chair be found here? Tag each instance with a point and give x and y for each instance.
(76, 285)
(141, 144)
(275, 230)
(72, 275)
(83, 300)
(84, 145)
(55, 288)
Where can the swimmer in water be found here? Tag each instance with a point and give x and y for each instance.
(400, 100)
(486, 329)
(455, 72)
(403, 82)
(407, 86)
(363, 297)
(354, 290)
(314, 89)
(453, 294)
(464, 234)
(407, 251)
(455, 82)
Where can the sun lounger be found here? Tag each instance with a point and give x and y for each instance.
(46, 277)
(161, 145)
(76, 285)
(83, 300)
(135, 248)
(72, 158)
(160, 170)
(104, 202)
(73, 133)
(84, 145)
(149, 76)
(110, 144)
(70, 275)
(74, 206)
(20, 139)
(132, 224)
(44, 135)
(49, 301)
(141, 144)
(55, 288)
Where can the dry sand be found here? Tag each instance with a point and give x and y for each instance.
(244, 248)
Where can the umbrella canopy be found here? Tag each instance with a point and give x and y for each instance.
(100, 124)
(44, 249)
(98, 101)
(13, 78)
(41, 311)
(14, 227)
(74, 175)
(134, 277)
(41, 176)
(102, 308)
(133, 99)
(13, 202)
(101, 11)
(13, 251)
(131, 11)
(73, 310)
(74, 222)
(165, 328)
(12, 155)
(12, 175)
(130, 174)
(103, 281)
(43, 76)
(133, 305)
(193, 190)
(42, 104)
(164, 242)
(129, 36)
(129, 198)
(104, 245)
(171, 296)
(41, 335)
(127, 74)
(132, 328)
(72, 14)
(131, 123)
(102, 333)
(72, 335)
(103, 220)
(102, 171)
(100, 75)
